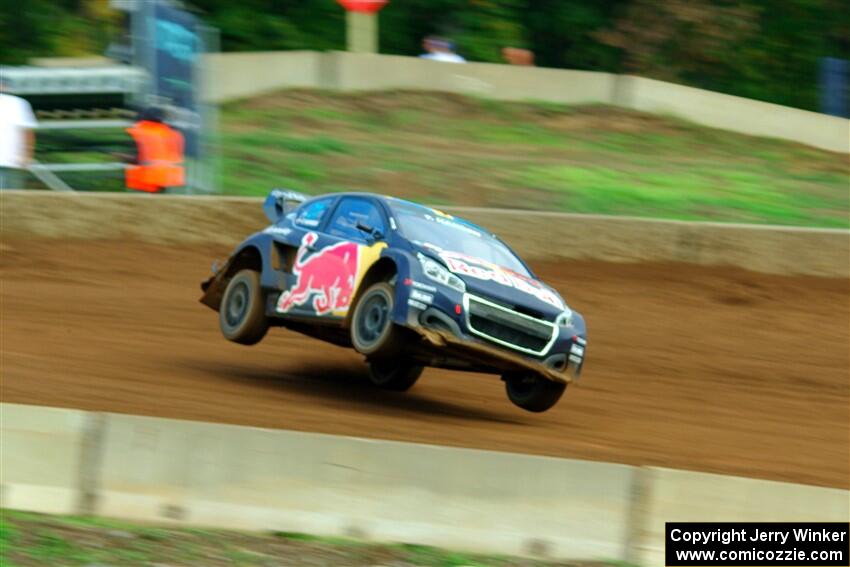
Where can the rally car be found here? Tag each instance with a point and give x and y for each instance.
(405, 285)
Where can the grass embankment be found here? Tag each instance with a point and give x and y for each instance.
(455, 150)
(447, 149)
(29, 540)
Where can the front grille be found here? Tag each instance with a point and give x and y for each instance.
(508, 327)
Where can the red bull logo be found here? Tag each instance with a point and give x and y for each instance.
(327, 276)
(484, 270)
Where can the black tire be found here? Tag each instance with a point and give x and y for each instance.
(532, 392)
(372, 331)
(396, 374)
(241, 316)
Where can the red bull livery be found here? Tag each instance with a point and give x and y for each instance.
(326, 275)
(405, 285)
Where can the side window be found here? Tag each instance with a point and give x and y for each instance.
(311, 214)
(352, 211)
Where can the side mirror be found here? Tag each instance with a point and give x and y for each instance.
(280, 202)
(373, 233)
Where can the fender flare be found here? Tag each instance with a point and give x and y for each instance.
(406, 265)
(252, 253)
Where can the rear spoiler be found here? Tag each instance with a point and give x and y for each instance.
(280, 202)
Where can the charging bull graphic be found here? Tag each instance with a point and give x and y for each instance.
(327, 275)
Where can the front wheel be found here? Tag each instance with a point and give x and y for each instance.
(373, 332)
(397, 374)
(532, 392)
(241, 315)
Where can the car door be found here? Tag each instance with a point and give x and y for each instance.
(333, 256)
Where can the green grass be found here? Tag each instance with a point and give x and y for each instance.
(28, 539)
(749, 196)
(454, 150)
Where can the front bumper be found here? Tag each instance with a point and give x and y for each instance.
(554, 368)
(493, 338)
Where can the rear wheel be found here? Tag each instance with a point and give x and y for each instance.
(532, 392)
(373, 332)
(397, 374)
(241, 315)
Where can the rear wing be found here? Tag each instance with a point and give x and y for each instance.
(280, 202)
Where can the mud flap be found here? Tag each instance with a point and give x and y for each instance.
(214, 286)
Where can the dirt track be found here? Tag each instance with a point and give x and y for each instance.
(717, 370)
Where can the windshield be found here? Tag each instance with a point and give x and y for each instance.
(426, 227)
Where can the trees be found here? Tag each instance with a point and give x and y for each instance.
(755, 48)
(672, 39)
(44, 28)
(267, 25)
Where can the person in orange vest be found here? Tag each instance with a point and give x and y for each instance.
(158, 165)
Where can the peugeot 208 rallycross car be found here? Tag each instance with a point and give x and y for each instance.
(407, 286)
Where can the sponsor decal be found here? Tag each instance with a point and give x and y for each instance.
(422, 296)
(577, 350)
(327, 277)
(575, 359)
(423, 287)
(482, 269)
(448, 220)
(417, 304)
(282, 231)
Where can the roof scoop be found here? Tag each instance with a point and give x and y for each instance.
(280, 202)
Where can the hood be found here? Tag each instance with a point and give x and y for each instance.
(502, 285)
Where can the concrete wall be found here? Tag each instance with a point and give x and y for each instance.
(42, 452)
(685, 496)
(734, 113)
(238, 75)
(227, 220)
(193, 473)
(364, 72)
(236, 477)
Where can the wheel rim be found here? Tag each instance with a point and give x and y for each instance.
(237, 304)
(374, 318)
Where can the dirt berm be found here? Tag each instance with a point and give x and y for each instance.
(535, 235)
(707, 368)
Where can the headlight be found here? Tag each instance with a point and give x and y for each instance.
(437, 272)
(565, 318)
